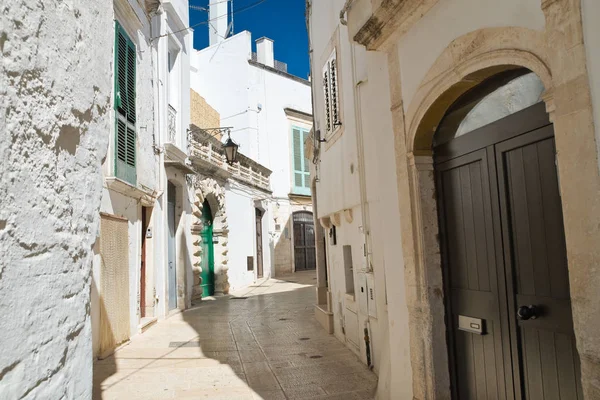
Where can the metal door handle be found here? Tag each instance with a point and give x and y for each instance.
(170, 264)
(527, 312)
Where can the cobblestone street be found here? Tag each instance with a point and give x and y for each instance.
(262, 343)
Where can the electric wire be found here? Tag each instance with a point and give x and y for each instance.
(239, 10)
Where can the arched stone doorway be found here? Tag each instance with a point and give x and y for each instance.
(503, 253)
(207, 275)
(465, 63)
(210, 199)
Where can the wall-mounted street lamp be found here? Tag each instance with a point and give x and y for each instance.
(231, 149)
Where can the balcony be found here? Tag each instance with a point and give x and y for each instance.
(206, 153)
(172, 125)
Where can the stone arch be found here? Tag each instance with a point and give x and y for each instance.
(464, 64)
(213, 193)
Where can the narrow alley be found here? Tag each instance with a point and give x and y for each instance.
(260, 342)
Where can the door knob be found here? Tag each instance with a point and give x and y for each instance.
(527, 312)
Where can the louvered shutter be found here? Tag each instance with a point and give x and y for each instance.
(333, 72)
(327, 97)
(125, 112)
(297, 148)
(331, 93)
(301, 173)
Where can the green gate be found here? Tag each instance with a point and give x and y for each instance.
(208, 254)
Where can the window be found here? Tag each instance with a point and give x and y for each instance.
(301, 173)
(331, 92)
(125, 113)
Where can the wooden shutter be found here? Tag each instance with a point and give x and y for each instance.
(331, 93)
(327, 97)
(333, 83)
(125, 111)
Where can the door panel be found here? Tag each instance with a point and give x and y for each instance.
(259, 244)
(536, 251)
(304, 241)
(207, 259)
(470, 267)
(172, 267)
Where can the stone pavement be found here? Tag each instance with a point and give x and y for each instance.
(267, 345)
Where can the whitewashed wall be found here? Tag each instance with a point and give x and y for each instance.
(116, 203)
(338, 190)
(240, 209)
(55, 125)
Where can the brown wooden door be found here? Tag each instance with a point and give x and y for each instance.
(259, 244)
(304, 241)
(503, 248)
(536, 252)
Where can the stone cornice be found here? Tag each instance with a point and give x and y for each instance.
(391, 17)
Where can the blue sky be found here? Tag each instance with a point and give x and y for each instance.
(281, 20)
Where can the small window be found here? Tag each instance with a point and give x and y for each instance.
(331, 93)
(496, 98)
(301, 172)
(348, 269)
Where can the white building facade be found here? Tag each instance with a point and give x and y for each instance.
(270, 113)
(143, 268)
(417, 104)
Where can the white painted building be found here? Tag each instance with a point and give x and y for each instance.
(142, 268)
(422, 110)
(270, 113)
(54, 136)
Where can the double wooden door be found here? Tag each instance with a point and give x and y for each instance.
(304, 241)
(509, 320)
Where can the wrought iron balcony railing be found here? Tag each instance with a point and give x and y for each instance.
(172, 125)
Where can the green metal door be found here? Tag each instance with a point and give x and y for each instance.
(208, 256)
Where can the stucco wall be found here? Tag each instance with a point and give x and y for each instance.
(55, 135)
(448, 20)
(242, 235)
(221, 76)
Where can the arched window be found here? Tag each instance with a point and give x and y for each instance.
(498, 97)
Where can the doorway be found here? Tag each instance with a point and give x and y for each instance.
(207, 262)
(172, 265)
(304, 241)
(259, 244)
(145, 222)
(508, 310)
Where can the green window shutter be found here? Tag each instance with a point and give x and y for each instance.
(120, 70)
(301, 174)
(125, 112)
(131, 64)
(297, 158)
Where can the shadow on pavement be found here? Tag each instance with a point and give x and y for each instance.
(261, 343)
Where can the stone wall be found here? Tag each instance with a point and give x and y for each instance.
(54, 137)
(202, 114)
